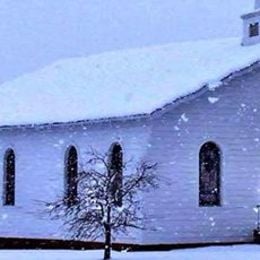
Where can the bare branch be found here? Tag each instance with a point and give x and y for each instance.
(96, 208)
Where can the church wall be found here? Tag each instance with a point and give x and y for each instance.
(228, 116)
(40, 157)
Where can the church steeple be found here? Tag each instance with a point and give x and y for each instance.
(251, 26)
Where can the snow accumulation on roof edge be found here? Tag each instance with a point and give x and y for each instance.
(122, 83)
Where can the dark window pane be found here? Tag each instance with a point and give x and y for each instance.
(116, 172)
(71, 172)
(209, 181)
(254, 29)
(9, 178)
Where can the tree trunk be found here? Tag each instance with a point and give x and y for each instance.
(107, 251)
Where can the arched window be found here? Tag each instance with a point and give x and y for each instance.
(116, 171)
(9, 178)
(210, 174)
(71, 172)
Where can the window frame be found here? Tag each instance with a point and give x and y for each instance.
(117, 183)
(9, 178)
(71, 176)
(205, 191)
(254, 29)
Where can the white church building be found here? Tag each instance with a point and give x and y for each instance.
(191, 107)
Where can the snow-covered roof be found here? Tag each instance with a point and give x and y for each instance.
(251, 14)
(120, 83)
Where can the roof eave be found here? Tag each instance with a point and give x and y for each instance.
(252, 14)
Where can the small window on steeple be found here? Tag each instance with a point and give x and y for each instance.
(254, 29)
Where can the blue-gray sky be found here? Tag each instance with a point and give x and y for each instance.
(34, 33)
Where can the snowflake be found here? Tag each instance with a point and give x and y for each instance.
(184, 117)
(213, 100)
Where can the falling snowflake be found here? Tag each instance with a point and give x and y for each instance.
(213, 100)
(61, 141)
(184, 117)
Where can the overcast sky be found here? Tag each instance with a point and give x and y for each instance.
(34, 33)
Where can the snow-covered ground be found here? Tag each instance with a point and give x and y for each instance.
(250, 252)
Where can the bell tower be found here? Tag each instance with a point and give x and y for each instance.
(251, 26)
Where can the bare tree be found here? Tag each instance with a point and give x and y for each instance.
(108, 201)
